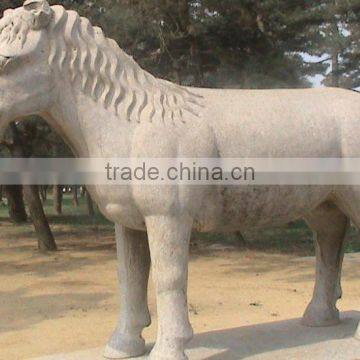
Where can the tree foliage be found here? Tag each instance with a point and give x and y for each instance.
(233, 43)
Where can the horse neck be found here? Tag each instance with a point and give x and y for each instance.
(87, 126)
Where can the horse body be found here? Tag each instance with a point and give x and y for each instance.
(55, 64)
(281, 123)
(298, 123)
(256, 124)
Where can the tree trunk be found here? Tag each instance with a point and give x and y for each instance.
(336, 50)
(57, 196)
(46, 241)
(43, 193)
(75, 196)
(83, 191)
(90, 204)
(31, 193)
(14, 195)
(335, 75)
(240, 238)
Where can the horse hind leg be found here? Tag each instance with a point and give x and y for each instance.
(329, 224)
(348, 199)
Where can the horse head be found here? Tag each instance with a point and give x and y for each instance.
(54, 63)
(25, 86)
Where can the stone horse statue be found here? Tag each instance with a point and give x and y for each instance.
(54, 63)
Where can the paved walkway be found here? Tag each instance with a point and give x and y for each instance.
(282, 340)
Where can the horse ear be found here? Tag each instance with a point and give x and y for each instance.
(41, 11)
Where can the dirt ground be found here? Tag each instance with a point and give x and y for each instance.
(68, 301)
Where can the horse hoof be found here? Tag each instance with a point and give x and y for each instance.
(121, 347)
(357, 334)
(165, 355)
(110, 353)
(319, 316)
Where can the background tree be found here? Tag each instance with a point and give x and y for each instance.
(246, 44)
(74, 191)
(15, 203)
(90, 204)
(22, 146)
(57, 199)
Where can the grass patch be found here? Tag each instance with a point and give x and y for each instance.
(294, 238)
(74, 219)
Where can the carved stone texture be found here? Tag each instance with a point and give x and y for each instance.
(54, 63)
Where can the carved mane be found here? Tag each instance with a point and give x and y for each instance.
(104, 71)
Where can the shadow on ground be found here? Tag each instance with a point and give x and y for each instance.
(280, 340)
(247, 341)
(33, 309)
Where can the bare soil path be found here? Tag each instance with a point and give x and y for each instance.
(68, 301)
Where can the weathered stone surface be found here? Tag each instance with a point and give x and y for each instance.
(56, 64)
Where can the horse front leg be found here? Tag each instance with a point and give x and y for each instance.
(134, 264)
(329, 224)
(169, 246)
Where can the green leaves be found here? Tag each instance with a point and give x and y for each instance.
(236, 43)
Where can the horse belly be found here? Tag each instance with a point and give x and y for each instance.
(258, 206)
